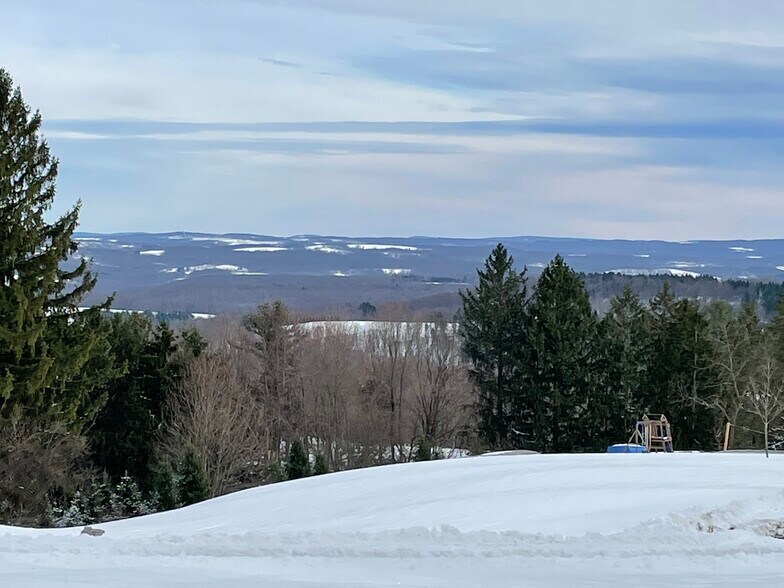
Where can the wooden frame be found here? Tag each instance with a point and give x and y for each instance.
(654, 433)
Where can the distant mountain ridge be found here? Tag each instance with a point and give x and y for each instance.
(209, 272)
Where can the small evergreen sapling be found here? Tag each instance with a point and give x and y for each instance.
(298, 465)
(320, 465)
(275, 472)
(423, 451)
(165, 492)
(193, 486)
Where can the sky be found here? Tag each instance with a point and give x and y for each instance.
(648, 120)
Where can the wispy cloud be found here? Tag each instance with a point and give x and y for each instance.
(449, 116)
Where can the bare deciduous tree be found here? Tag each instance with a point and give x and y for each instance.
(36, 459)
(333, 372)
(733, 338)
(441, 390)
(278, 346)
(765, 390)
(391, 346)
(215, 415)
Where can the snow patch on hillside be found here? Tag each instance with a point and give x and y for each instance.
(265, 249)
(224, 267)
(363, 327)
(202, 315)
(232, 241)
(395, 271)
(378, 246)
(666, 271)
(320, 247)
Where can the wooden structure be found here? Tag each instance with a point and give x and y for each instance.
(654, 433)
(727, 431)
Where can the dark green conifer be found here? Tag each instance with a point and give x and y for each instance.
(192, 484)
(125, 433)
(320, 465)
(423, 451)
(681, 374)
(46, 341)
(493, 330)
(625, 347)
(164, 492)
(298, 465)
(562, 374)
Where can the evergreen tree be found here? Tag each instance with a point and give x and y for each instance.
(777, 331)
(625, 337)
(493, 331)
(165, 493)
(275, 472)
(320, 465)
(127, 499)
(124, 435)
(562, 373)
(46, 342)
(192, 484)
(298, 465)
(681, 377)
(278, 345)
(367, 310)
(423, 451)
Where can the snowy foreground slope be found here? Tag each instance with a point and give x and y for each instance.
(502, 520)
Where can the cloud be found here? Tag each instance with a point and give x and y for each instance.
(280, 62)
(448, 117)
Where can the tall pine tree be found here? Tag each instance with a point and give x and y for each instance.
(46, 342)
(562, 372)
(681, 376)
(493, 330)
(625, 334)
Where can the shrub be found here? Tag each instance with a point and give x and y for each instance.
(192, 484)
(320, 465)
(298, 465)
(38, 461)
(423, 451)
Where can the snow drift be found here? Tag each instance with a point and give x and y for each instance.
(502, 520)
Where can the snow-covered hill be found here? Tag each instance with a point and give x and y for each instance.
(199, 272)
(502, 520)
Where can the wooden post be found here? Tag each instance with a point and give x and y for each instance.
(727, 436)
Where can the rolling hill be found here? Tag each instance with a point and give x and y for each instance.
(498, 520)
(198, 272)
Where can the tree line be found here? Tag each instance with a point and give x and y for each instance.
(551, 375)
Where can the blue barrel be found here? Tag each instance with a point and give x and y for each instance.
(627, 448)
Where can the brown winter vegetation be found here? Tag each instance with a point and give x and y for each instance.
(34, 458)
(356, 397)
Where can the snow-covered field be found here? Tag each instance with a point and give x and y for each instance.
(501, 520)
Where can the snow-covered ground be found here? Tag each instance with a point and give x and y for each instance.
(501, 520)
